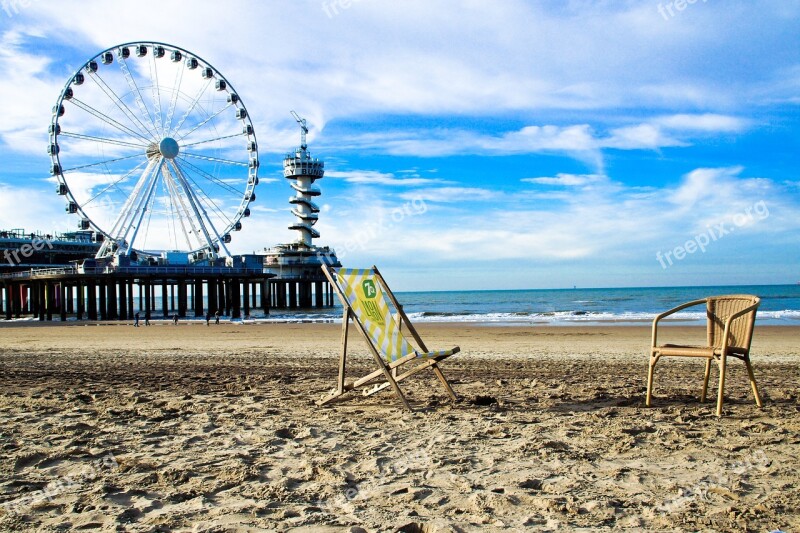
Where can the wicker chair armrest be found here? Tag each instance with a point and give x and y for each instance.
(672, 311)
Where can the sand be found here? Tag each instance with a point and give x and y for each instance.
(196, 428)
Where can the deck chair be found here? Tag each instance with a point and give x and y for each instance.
(729, 333)
(363, 293)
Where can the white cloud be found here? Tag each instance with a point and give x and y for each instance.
(580, 141)
(423, 57)
(639, 137)
(444, 142)
(674, 130)
(28, 93)
(448, 195)
(596, 219)
(374, 177)
(29, 209)
(404, 60)
(706, 122)
(711, 185)
(609, 222)
(567, 180)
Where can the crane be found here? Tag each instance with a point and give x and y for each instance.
(303, 129)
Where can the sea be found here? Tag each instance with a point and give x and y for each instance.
(780, 305)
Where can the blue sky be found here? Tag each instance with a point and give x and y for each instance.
(473, 144)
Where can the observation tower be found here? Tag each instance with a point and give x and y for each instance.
(304, 171)
(299, 281)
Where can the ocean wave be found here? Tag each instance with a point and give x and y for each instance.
(552, 317)
(583, 317)
(565, 317)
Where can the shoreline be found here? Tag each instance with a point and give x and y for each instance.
(644, 322)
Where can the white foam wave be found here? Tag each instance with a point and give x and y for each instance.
(785, 317)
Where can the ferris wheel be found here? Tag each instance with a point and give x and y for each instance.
(155, 151)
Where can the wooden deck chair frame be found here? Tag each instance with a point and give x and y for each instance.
(391, 371)
(730, 324)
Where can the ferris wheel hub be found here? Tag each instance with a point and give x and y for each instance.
(169, 148)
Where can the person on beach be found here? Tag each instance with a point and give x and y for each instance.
(147, 318)
(136, 320)
(175, 319)
(216, 317)
(208, 317)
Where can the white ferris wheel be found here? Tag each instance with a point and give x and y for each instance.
(154, 151)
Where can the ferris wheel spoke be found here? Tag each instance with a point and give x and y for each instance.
(203, 123)
(121, 226)
(202, 194)
(214, 207)
(192, 107)
(107, 119)
(176, 215)
(176, 91)
(212, 178)
(214, 139)
(215, 159)
(171, 223)
(126, 213)
(143, 109)
(155, 90)
(114, 184)
(144, 205)
(147, 227)
(120, 104)
(106, 140)
(198, 208)
(179, 192)
(221, 216)
(105, 162)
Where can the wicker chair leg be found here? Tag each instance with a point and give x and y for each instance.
(705, 380)
(720, 392)
(753, 382)
(648, 400)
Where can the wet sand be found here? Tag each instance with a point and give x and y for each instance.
(196, 428)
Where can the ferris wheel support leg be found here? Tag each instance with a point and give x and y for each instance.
(197, 207)
(141, 210)
(122, 223)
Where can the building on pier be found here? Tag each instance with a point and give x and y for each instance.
(23, 250)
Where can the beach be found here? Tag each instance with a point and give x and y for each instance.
(104, 426)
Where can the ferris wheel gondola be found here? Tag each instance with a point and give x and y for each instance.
(155, 151)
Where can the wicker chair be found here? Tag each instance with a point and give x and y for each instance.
(730, 330)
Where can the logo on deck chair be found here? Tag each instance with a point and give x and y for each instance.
(369, 305)
(368, 286)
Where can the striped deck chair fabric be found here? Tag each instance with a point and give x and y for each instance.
(372, 306)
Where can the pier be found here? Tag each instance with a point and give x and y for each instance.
(155, 292)
(50, 294)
